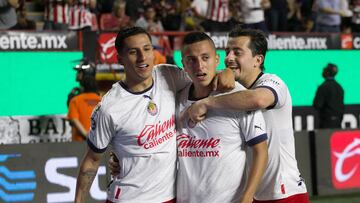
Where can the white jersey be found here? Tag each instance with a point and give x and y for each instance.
(282, 177)
(212, 155)
(80, 15)
(57, 11)
(140, 128)
(252, 11)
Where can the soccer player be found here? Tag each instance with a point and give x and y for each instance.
(137, 119)
(212, 153)
(246, 49)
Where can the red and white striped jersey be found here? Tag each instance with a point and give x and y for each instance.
(80, 15)
(218, 10)
(57, 11)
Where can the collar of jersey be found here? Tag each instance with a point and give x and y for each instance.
(257, 78)
(123, 85)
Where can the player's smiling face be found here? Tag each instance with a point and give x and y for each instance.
(200, 61)
(137, 56)
(240, 59)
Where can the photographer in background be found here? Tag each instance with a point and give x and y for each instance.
(81, 107)
(82, 69)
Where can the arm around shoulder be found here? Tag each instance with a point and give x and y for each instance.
(246, 100)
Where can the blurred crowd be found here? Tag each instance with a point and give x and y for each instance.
(186, 15)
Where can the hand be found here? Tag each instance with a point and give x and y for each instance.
(224, 81)
(114, 165)
(196, 112)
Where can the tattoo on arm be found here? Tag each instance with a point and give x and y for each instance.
(87, 178)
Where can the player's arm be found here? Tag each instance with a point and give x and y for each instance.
(245, 100)
(76, 124)
(87, 173)
(114, 165)
(257, 169)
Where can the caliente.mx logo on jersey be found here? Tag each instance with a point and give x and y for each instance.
(156, 134)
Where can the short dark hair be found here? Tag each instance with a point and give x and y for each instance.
(331, 70)
(128, 32)
(194, 37)
(258, 43)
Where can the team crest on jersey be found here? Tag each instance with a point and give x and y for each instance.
(94, 116)
(152, 108)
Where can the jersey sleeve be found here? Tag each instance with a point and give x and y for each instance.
(277, 87)
(73, 111)
(102, 130)
(179, 77)
(253, 127)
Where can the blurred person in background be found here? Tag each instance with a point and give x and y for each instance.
(105, 6)
(169, 14)
(84, 68)
(237, 17)
(150, 23)
(217, 17)
(253, 14)
(159, 58)
(133, 9)
(278, 15)
(56, 14)
(80, 15)
(355, 20)
(8, 17)
(329, 99)
(328, 17)
(81, 107)
(346, 17)
(22, 22)
(195, 14)
(116, 20)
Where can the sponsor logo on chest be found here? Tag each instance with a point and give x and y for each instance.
(156, 134)
(189, 146)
